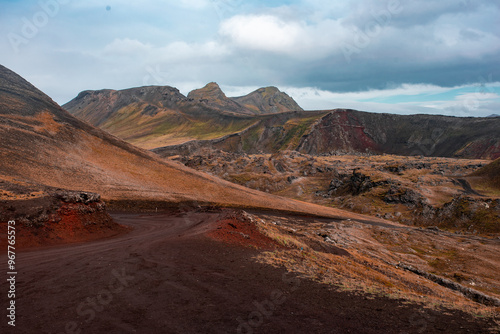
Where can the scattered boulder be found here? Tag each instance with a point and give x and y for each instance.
(400, 195)
(354, 184)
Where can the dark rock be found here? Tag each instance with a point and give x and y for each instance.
(400, 195)
(77, 197)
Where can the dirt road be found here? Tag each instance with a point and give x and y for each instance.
(166, 276)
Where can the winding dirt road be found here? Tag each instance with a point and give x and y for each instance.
(166, 276)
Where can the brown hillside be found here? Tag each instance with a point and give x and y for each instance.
(40, 143)
(490, 174)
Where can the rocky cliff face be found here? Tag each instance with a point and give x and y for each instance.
(150, 100)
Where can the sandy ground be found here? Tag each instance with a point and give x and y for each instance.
(167, 276)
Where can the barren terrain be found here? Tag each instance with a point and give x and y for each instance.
(422, 191)
(167, 276)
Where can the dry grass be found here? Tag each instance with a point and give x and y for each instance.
(373, 251)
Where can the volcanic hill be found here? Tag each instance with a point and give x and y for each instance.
(270, 121)
(44, 147)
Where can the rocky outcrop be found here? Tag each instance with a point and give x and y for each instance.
(59, 216)
(400, 195)
(354, 184)
(469, 214)
(490, 174)
(472, 294)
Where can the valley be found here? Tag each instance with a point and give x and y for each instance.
(245, 214)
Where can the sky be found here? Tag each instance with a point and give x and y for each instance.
(395, 56)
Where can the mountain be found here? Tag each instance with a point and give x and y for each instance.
(212, 97)
(267, 120)
(268, 100)
(157, 116)
(426, 135)
(43, 147)
(493, 115)
(490, 174)
(152, 100)
(351, 131)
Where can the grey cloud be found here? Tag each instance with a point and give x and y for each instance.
(409, 12)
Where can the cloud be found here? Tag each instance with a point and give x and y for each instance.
(480, 96)
(182, 51)
(477, 101)
(417, 56)
(262, 32)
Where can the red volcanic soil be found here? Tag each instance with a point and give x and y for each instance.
(239, 230)
(342, 130)
(167, 276)
(61, 217)
(71, 226)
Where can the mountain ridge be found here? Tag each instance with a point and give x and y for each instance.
(155, 116)
(345, 131)
(43, 146)
(162, 119)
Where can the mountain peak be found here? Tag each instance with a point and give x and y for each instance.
(268, 100)
(210, 91)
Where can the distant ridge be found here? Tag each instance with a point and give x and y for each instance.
(267, 120)
(156, 116)
(344, 131)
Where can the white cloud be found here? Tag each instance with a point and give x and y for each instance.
(262, 32)
(477, 96)
(245, 45)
